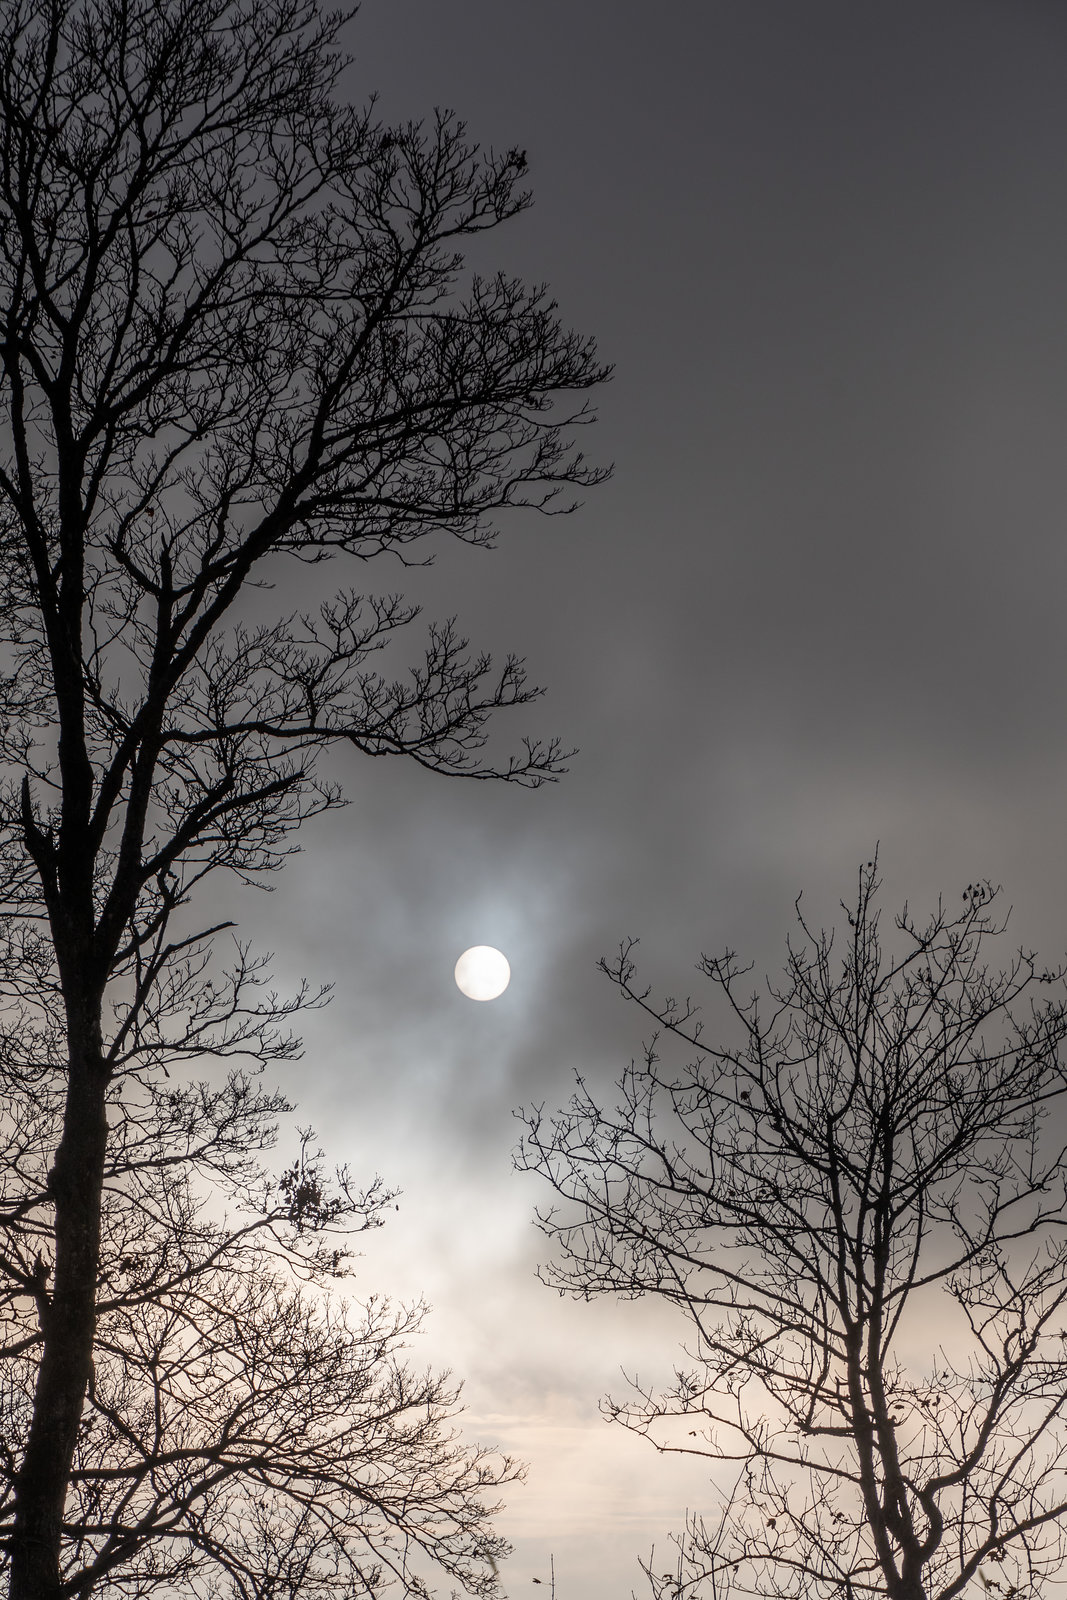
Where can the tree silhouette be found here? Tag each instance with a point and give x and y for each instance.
(859, 1208)
(237, 332)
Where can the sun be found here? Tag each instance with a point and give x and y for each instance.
(482, 973)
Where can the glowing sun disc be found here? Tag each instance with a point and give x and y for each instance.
(482, 972)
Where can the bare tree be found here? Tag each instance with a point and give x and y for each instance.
(236, 331)
(859, 1208)
(241, 1422)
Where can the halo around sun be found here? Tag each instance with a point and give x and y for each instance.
(482, 973)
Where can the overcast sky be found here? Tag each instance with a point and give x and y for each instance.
(819, 606)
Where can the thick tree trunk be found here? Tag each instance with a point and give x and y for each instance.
(910, 1585)
(68, 1327)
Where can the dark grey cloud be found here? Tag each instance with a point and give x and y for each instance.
(820, 605)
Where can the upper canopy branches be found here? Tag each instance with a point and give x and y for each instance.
(236, 323)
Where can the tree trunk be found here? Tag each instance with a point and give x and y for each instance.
(68, 1325)
(910, 1586)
